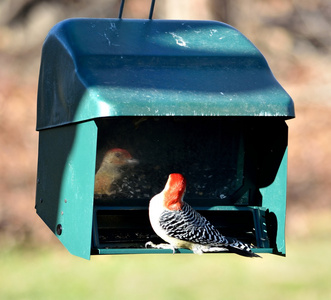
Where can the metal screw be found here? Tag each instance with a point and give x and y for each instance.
(59, 229)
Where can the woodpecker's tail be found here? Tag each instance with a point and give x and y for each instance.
(240, 248)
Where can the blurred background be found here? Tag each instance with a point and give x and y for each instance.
(295, 38)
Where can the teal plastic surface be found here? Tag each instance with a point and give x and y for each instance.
(92, 69)
(95, 68)
(64, 198)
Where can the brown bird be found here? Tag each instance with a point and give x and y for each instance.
(112, 168)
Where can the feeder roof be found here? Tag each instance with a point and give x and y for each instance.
(93, 68)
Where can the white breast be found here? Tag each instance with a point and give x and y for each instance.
(156, 208)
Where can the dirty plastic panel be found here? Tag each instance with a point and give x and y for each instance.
(94, 68)
(207, 151)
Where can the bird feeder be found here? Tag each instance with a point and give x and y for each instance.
(140, 99)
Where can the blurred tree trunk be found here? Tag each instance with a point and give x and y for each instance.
(221, 10)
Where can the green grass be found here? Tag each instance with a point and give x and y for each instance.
(55, 274)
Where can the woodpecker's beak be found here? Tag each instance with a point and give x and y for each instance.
(132, 161)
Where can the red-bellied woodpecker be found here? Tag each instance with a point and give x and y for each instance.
(177, 223)
(112, 168)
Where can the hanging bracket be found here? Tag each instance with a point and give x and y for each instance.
(150, 11)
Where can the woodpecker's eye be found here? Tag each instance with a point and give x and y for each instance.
(118, 154)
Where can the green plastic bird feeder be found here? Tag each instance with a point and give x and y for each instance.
(191, 97)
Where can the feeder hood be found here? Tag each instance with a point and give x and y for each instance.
(94, 68)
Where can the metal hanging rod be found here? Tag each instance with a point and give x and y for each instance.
(150, 11)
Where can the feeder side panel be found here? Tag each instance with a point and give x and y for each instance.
(65, 187)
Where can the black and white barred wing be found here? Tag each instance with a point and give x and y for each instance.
(189, 225)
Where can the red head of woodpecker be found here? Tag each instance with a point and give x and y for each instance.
(112, 167)
(173, 192)
(177, 223)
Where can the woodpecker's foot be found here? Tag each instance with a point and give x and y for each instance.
(160, 246)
